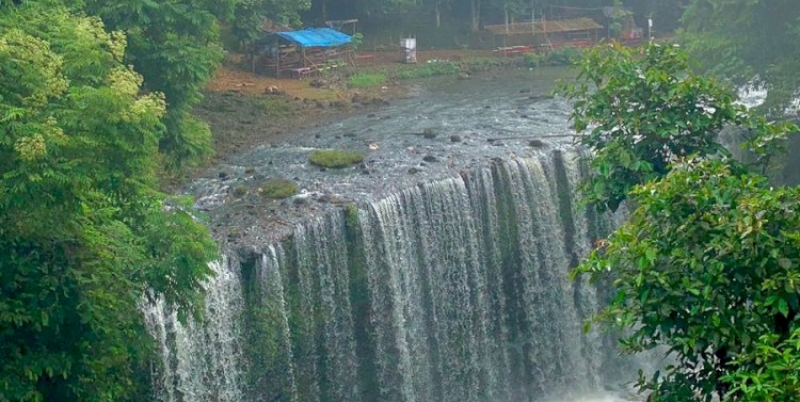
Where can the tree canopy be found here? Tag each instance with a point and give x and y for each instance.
(175, 46)
(84, 232)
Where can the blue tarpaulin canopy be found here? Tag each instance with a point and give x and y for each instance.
(316, 37)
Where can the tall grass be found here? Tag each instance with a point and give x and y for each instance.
(366, 80)
(429, 70)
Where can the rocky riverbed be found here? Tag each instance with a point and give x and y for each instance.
(442, 127)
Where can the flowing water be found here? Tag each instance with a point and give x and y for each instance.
(445, 284)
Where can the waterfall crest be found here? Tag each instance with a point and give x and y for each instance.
(453, 290)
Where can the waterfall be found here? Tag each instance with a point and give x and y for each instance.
(454, 290)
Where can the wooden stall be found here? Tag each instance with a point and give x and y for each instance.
(547, 34)
(305, 52)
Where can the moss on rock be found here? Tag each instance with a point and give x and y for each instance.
(335, 158)
(278, 188)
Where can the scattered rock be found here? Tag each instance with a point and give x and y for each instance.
(239, 191)
(497, 143)
(371, 145)
(273, 90)
(349, 135)
(413, 170)
(524, 116)
(487, 107)
(536, 143)
(524, 91)
(330, 199)
(223, 175)
(340, 104)
(379, 102)
(318, 83)
(371, 115)
(455, 138)
(428, 133)
(250, 170)
(387, 117)
(430, 159)
(317, 135)
(320, 104)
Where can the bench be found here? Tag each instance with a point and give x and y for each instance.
(366, 58)
(301, 72)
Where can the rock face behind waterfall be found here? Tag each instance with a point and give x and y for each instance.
(453, 290)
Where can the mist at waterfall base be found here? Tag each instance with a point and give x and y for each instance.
(449, 286)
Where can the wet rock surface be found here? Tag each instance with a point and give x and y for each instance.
(451, 112)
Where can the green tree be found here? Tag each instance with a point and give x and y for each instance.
(174, 45)
(641, 109)
(706, 266)
(84, 234)
(749, 42)
(250, 15)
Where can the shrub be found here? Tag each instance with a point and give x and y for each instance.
(277, 107)
(429, 70)
(278, 188)
(335, 158)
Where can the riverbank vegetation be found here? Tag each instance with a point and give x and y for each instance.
(366, 80)
(706, 266)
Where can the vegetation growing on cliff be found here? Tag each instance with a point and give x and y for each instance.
(85, 234)
(707, 264)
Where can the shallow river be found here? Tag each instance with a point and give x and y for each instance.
(469, 122)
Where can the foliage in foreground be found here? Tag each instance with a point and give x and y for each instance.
(708, 264)
(84, 234)
(642, 109)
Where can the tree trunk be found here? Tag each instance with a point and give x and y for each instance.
(476, 15)
(438, 16)
(506, 18)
